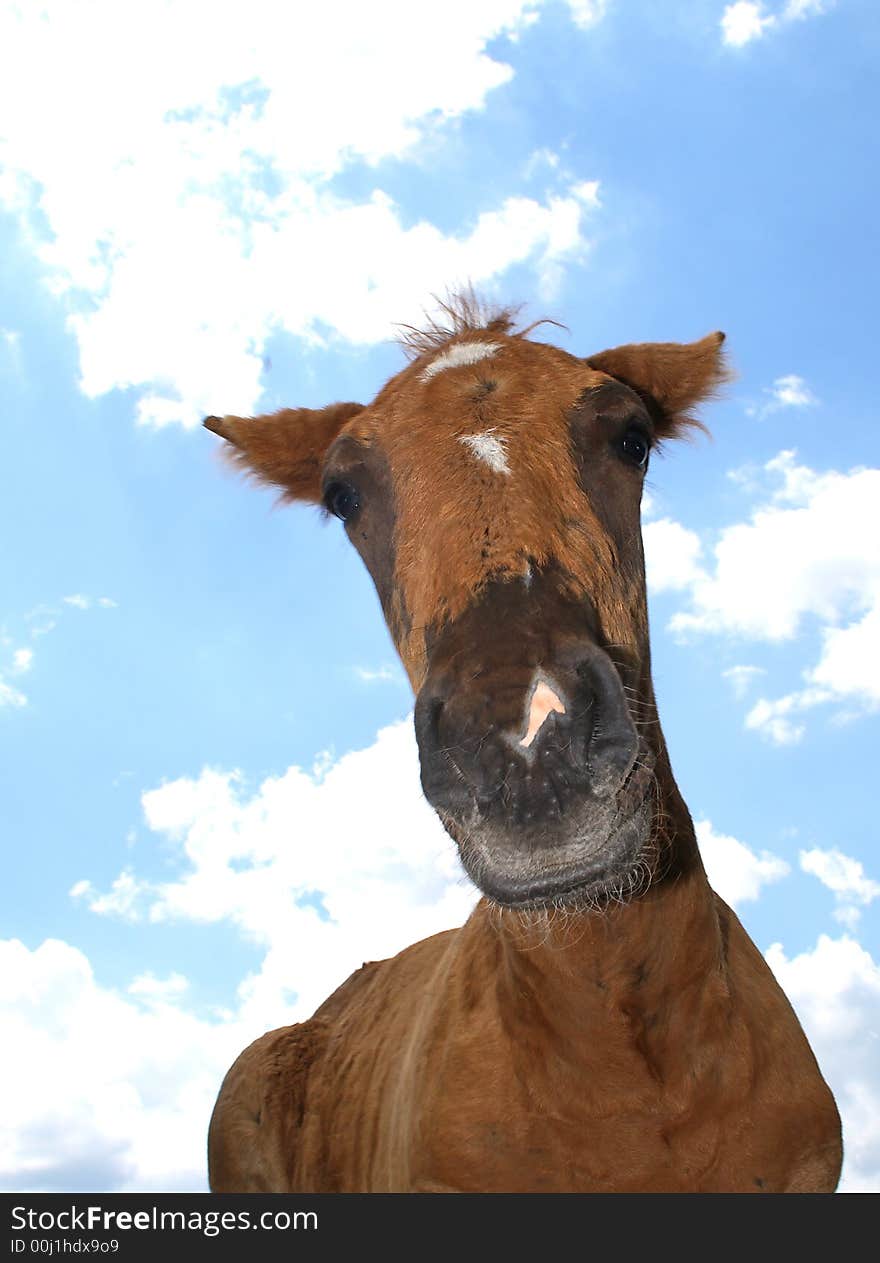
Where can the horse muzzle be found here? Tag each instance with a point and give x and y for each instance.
(528, 750)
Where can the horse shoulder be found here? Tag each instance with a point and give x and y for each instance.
(793, 1105)
(260, 1108)
(265, 1117)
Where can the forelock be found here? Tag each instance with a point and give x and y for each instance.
(457, 314)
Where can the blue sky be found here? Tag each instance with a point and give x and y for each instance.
(210, 805)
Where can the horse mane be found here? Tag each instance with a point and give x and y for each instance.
(461, 312)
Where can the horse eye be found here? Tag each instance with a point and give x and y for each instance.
(342, 500)
(635, 448)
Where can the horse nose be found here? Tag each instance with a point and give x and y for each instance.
(614, 741)
(526, 750)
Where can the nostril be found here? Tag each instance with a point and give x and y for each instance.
(611, 738)
(611, 761)
(427, 720)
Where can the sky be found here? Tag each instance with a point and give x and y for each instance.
(209, 800)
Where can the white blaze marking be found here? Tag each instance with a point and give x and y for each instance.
(543, 701)
(490, 450)
(459, 354)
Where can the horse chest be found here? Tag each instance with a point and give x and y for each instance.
(627, 1150)
(465, 1117)
(507, 1135)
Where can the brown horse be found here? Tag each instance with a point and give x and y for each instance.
(602, 1022)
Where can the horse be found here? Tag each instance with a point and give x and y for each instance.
(602, 1022)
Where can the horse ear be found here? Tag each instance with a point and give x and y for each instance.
(675, 376)
(285, 449)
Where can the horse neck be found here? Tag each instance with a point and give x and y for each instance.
(661, 953)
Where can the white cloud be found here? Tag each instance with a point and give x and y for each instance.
(121, 900)
(156, 991)
(379, 675)
(672, 555)
(835, 990)
(100, 1091)
(746, 20)
(22, 659)
(587, 12)
(845, 877)
(735, 871)
(200, 218)
(538, 161)
(814, 549)
(742, 678)
(806, 8)
(848, 664)
(792, 392)
(11, 696)
(808, 557)
(10, 344)
(773, 719)
(789, 391)
(288, 867)
(17, 663)
(81, 602)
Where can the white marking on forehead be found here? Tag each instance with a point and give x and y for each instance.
(458, 355)
(489, 449)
